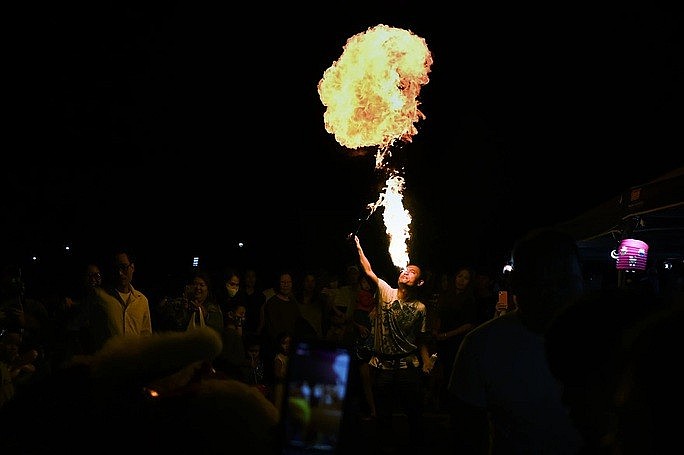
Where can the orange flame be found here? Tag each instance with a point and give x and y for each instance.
(371, 91)
(371, 98)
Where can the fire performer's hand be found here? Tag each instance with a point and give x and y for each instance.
(365, 263)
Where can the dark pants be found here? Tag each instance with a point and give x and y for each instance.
(399, 391)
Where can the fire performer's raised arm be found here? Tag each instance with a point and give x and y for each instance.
(365, 263)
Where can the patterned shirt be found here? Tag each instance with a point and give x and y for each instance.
(398, 326)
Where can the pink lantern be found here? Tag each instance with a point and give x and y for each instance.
(632, 255)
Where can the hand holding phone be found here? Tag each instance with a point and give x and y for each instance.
(502, 303)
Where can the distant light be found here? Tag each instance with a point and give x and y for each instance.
(240, 244)
(151, 392)
(667, 265)
(195, 261)
(67, 247)
(507, 268)
(34, 258)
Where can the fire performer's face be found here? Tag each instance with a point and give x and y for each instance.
(410, 276)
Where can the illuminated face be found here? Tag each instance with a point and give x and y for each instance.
(123, 270)
(410, 276)
(93, 276)
(233, 285)
(199, 289)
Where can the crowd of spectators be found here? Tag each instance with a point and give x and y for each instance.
(50, 329)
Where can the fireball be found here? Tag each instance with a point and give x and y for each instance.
(371, 98)
(371, 92)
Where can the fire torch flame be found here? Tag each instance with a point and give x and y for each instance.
(371, 98)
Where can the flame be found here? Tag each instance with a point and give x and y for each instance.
(371, 98)
(397, 219)
(371, 91)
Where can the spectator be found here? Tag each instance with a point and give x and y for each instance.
(256, 372)
(341, 303)
(118, 308)
(364, 318)
(311, 303)
(456, 316)
(227, 290)
(196, 306)
(253, 297)
(74, 316)
(280, 363)
(281, 314)
(156, 385)
(505, 399)
(233, 360)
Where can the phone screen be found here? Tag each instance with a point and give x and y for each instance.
(315, 397)
(503, 298)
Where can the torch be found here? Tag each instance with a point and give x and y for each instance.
(360, 222)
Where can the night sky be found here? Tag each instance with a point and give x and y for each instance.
(182, 129)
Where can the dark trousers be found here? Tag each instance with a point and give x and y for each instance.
(399, 391)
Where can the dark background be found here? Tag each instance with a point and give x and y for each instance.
(183, 128)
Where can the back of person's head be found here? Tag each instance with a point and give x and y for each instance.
(649, 386)
(546, 275)
(158, 386)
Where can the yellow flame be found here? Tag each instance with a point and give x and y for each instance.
(371, 91)
(371, 98)
(397, 219)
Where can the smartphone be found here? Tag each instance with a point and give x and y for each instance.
(503, 298)
(502, 303)
(314, 409)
